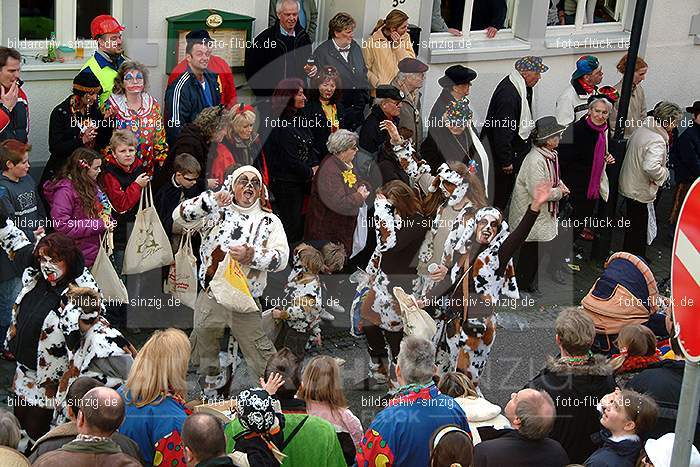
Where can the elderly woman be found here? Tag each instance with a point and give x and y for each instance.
(643, 171)
(76, 122)
(388, 44)
(44, 326)
(540, 164)
(132, 107)
(583, 156)
(292, 155)
(235, 223)
(241, 145)
(637, 111)
(337, 194)
(324, 108)
(400, 227)
(154, 395)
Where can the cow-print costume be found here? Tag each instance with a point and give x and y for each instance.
(233, 225)
(258, 444)
(304, 301)
(60, 335)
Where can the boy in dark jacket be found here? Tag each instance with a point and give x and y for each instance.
(123, 179)
(576, 381)
(627, 416)
(181, 186)
(20, 198)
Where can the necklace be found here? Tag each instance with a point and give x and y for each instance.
(466, 153)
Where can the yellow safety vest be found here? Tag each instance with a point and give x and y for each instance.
(105, 76)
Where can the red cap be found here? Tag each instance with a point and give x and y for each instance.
(105, 24)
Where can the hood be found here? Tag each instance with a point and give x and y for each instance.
(598, 366)
(625, 448)
(61, 431)
(52, 186)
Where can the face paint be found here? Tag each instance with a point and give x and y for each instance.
(50, 269)
(486, 229)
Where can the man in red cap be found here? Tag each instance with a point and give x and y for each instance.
(107, 31)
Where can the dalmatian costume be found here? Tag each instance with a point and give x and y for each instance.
(479, 279)
(60, 335)
(303, 294)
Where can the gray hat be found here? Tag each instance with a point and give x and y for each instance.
(546, 127)
(387, 91)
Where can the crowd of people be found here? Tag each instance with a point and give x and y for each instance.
(334, 167)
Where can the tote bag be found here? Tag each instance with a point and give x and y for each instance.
(229, 286)
(416, 322)
(182, 276)
(148, 246)
(110, 284)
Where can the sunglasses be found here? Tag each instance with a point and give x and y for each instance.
(190, 179)
(132, 77)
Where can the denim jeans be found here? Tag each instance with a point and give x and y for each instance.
(9, 290)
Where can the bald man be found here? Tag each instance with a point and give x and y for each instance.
(100, 412)
(531, 414)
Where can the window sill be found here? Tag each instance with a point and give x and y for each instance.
(593, 41)
(36, 70)
(462, 49)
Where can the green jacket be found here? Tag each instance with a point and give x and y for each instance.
(316, 443)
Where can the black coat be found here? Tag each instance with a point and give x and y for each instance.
(575, 391)
(353, 74)
(167, 198)
(663, 383)
(290, 151)
(320, 126)
(440, 107)
(686, 163)
(191, 141)
(371, 137)
(576, 157)
(506, 448)
(275, 57)
(505, 146)
(390, 168)
(614, 454)
(64, 136)
(442, 146)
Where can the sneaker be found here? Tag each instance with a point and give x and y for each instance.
(325, 315)
(378, 373)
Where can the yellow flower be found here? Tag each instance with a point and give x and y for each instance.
(349, 178)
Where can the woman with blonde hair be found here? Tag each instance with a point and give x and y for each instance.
(155, 393)
(388, 44)
(322, 391)
(241, 145)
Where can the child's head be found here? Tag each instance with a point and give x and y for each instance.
(321, 382)
(451, 446)
(187, 170)
(86, 300)
(636, 340)
(255, 410)
(82, 168)
(334, 256)
(123, 144)
(287, 364)
(308, 258)
(629, 413)
(14, 157)
(455, 384)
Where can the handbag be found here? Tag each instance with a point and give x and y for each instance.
(182, 276)
(270, 325)
(416, 322)
(148, 246)
(109, 282)
(229, 286)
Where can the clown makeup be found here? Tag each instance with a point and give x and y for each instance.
(52, 269)
(133, 81)
(487, 226)
(246, 189)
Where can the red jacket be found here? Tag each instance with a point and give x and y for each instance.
(221, 68)
(122, 199)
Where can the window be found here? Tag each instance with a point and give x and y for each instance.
(478, 15)
(86, 10)
(577, 13)
(37, 19)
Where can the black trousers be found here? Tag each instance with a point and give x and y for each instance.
(636, 229)
(293, 340)
(530, 257)
(503, 188)
(289, 201)
(378, 338)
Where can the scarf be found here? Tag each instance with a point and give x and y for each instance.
(526, 123)
(637, 362)
(601, 147)
(553, 174)
(589, 88)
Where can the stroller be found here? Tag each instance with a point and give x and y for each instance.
(625, 293)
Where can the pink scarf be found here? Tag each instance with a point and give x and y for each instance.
(598, 159)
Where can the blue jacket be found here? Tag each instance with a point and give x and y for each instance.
(615, 454)
(184, 100)
(686, 162)
(148, 424)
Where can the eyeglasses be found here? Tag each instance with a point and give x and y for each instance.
(132, 77)
(244, 181)
(189, 179)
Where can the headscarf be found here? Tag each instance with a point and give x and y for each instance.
(264, 198)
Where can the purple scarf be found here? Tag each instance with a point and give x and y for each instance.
(598, 159)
